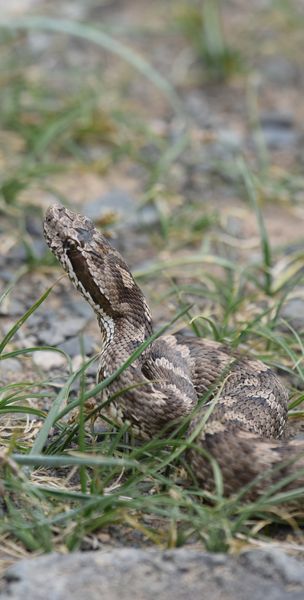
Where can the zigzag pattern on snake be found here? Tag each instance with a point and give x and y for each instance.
(243, 431)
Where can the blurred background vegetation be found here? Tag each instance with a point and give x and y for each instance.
(175, 91)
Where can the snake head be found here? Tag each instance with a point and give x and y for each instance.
(82, 251)
(64, 229)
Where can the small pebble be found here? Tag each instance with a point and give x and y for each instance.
(48, 360)
(10, 365)
(293, 312)
(72, 346)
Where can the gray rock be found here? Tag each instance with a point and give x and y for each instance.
(61, 329)
(72, 325)
(293, 312)
(278, 130)
(48, 360)
(134, 574)
(18, 254)
(281, 71)
(13, 307)
(199, 108)
(92, 370)
(7, 275)
(116, 201)
(33, 225)
(50, 335)
(81, 307)
(275, 561)
(11, 365)
(235, 226)
(72, 346)
(126, 209)
(230, 138)
(38, 248)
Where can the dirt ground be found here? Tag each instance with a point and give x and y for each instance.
(166, 182)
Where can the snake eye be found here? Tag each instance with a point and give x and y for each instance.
(48, 219)
(84, 235)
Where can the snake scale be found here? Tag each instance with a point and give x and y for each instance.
(163, 385)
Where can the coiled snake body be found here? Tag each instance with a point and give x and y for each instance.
(164, 384)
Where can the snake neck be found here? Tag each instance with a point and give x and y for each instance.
(120, 337)
(123, 314)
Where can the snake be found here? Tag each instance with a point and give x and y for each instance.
(240, 427)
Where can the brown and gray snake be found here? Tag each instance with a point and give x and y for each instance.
(164, 384)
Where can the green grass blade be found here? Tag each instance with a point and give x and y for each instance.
(22, 319)
(265, 245)
(20, 272)
(199, 259)
(53, 413)
(22, 409)
(37, 459)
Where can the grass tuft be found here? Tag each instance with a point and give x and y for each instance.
(202, 25)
